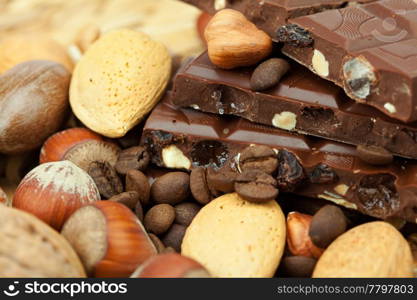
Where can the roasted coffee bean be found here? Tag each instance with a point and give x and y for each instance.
(298, 266)
(290, 171)
(323, 174)
(258, 157)
(173, 238)
(327, 224)
(136, 158)
(268, 74)
(185, 213)
(374, 155)
(159, 218)
(138, 182)
(106, 179)
(199, 186)
(377, 195)
(127, 198)
(157, 242)
(256, 186)
(139, 211)
(294, 35)
(171, 188)
(221, 181)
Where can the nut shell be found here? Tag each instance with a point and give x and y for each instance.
(374, 249)
(30, 248)
(109, 239)
(57, 145)
(53, 191)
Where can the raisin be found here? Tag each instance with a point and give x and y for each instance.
(290, 171)
(323, 174)
(378, 196)
(294, 35)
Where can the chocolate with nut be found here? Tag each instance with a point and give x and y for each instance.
(370, 50)
(173, 133)
(301, 102)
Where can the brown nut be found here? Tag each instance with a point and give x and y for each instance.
(298, 240)
(185, 213)
(108, 238)
(298, 266)
(233, 41)
(170, 265)
(53, 191)
(173, 238)
(33, 104)
(129, 199)
(171, 188)
(57, 145)
(159, 218)
(30, 248)
(138, 182)
(268, 74)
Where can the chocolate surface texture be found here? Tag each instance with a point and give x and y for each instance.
(301, 102)
(184, 138)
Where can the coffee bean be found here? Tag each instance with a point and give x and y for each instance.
(323, 174)
(199, 186)
(136, 158)
(258, 157)
(106, 179)
(290, 171)
(327, 224)
(185, 213)
(256, 186)
(128, 199)
(157, 242)
(139, 211)
(159, 218)
(268, 74)
(138, 182)
(221, 181)
(171, 188)
(374, 155)
(298, 266)
(173, 238)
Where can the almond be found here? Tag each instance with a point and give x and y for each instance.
(374, 249)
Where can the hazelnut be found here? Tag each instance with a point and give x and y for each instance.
(285, 120)
(233, 41)
(57, 145)
(30, 248)
(173, 158)
(170, 265)
(53, 191)
(298, 239)
(108, 238)
(33, 104)
(320, 64)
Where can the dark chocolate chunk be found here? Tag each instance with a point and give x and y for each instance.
(374, 155)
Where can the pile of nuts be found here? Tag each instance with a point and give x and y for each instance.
(95, 200)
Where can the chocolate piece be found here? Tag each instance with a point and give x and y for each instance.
(374, 155)
(370, 50)
(382, 192)
(269, 15)
(302, 102)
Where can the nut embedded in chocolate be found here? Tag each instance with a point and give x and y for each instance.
(258, 157)
(374, 155)
(294, 35)
(132, 158)
(268, 74)
(256, 186)
(359, 77)
(106, 179)
(323, 174)
(290, 171)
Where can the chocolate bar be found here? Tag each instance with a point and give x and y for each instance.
(269, 15)
(182, 138)
(370, 50)
(301, 102)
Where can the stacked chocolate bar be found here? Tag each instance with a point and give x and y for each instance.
(346, 110)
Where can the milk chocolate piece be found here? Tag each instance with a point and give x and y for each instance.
(301, 102)
(179, 134)
(370, 50)
(269, 15)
